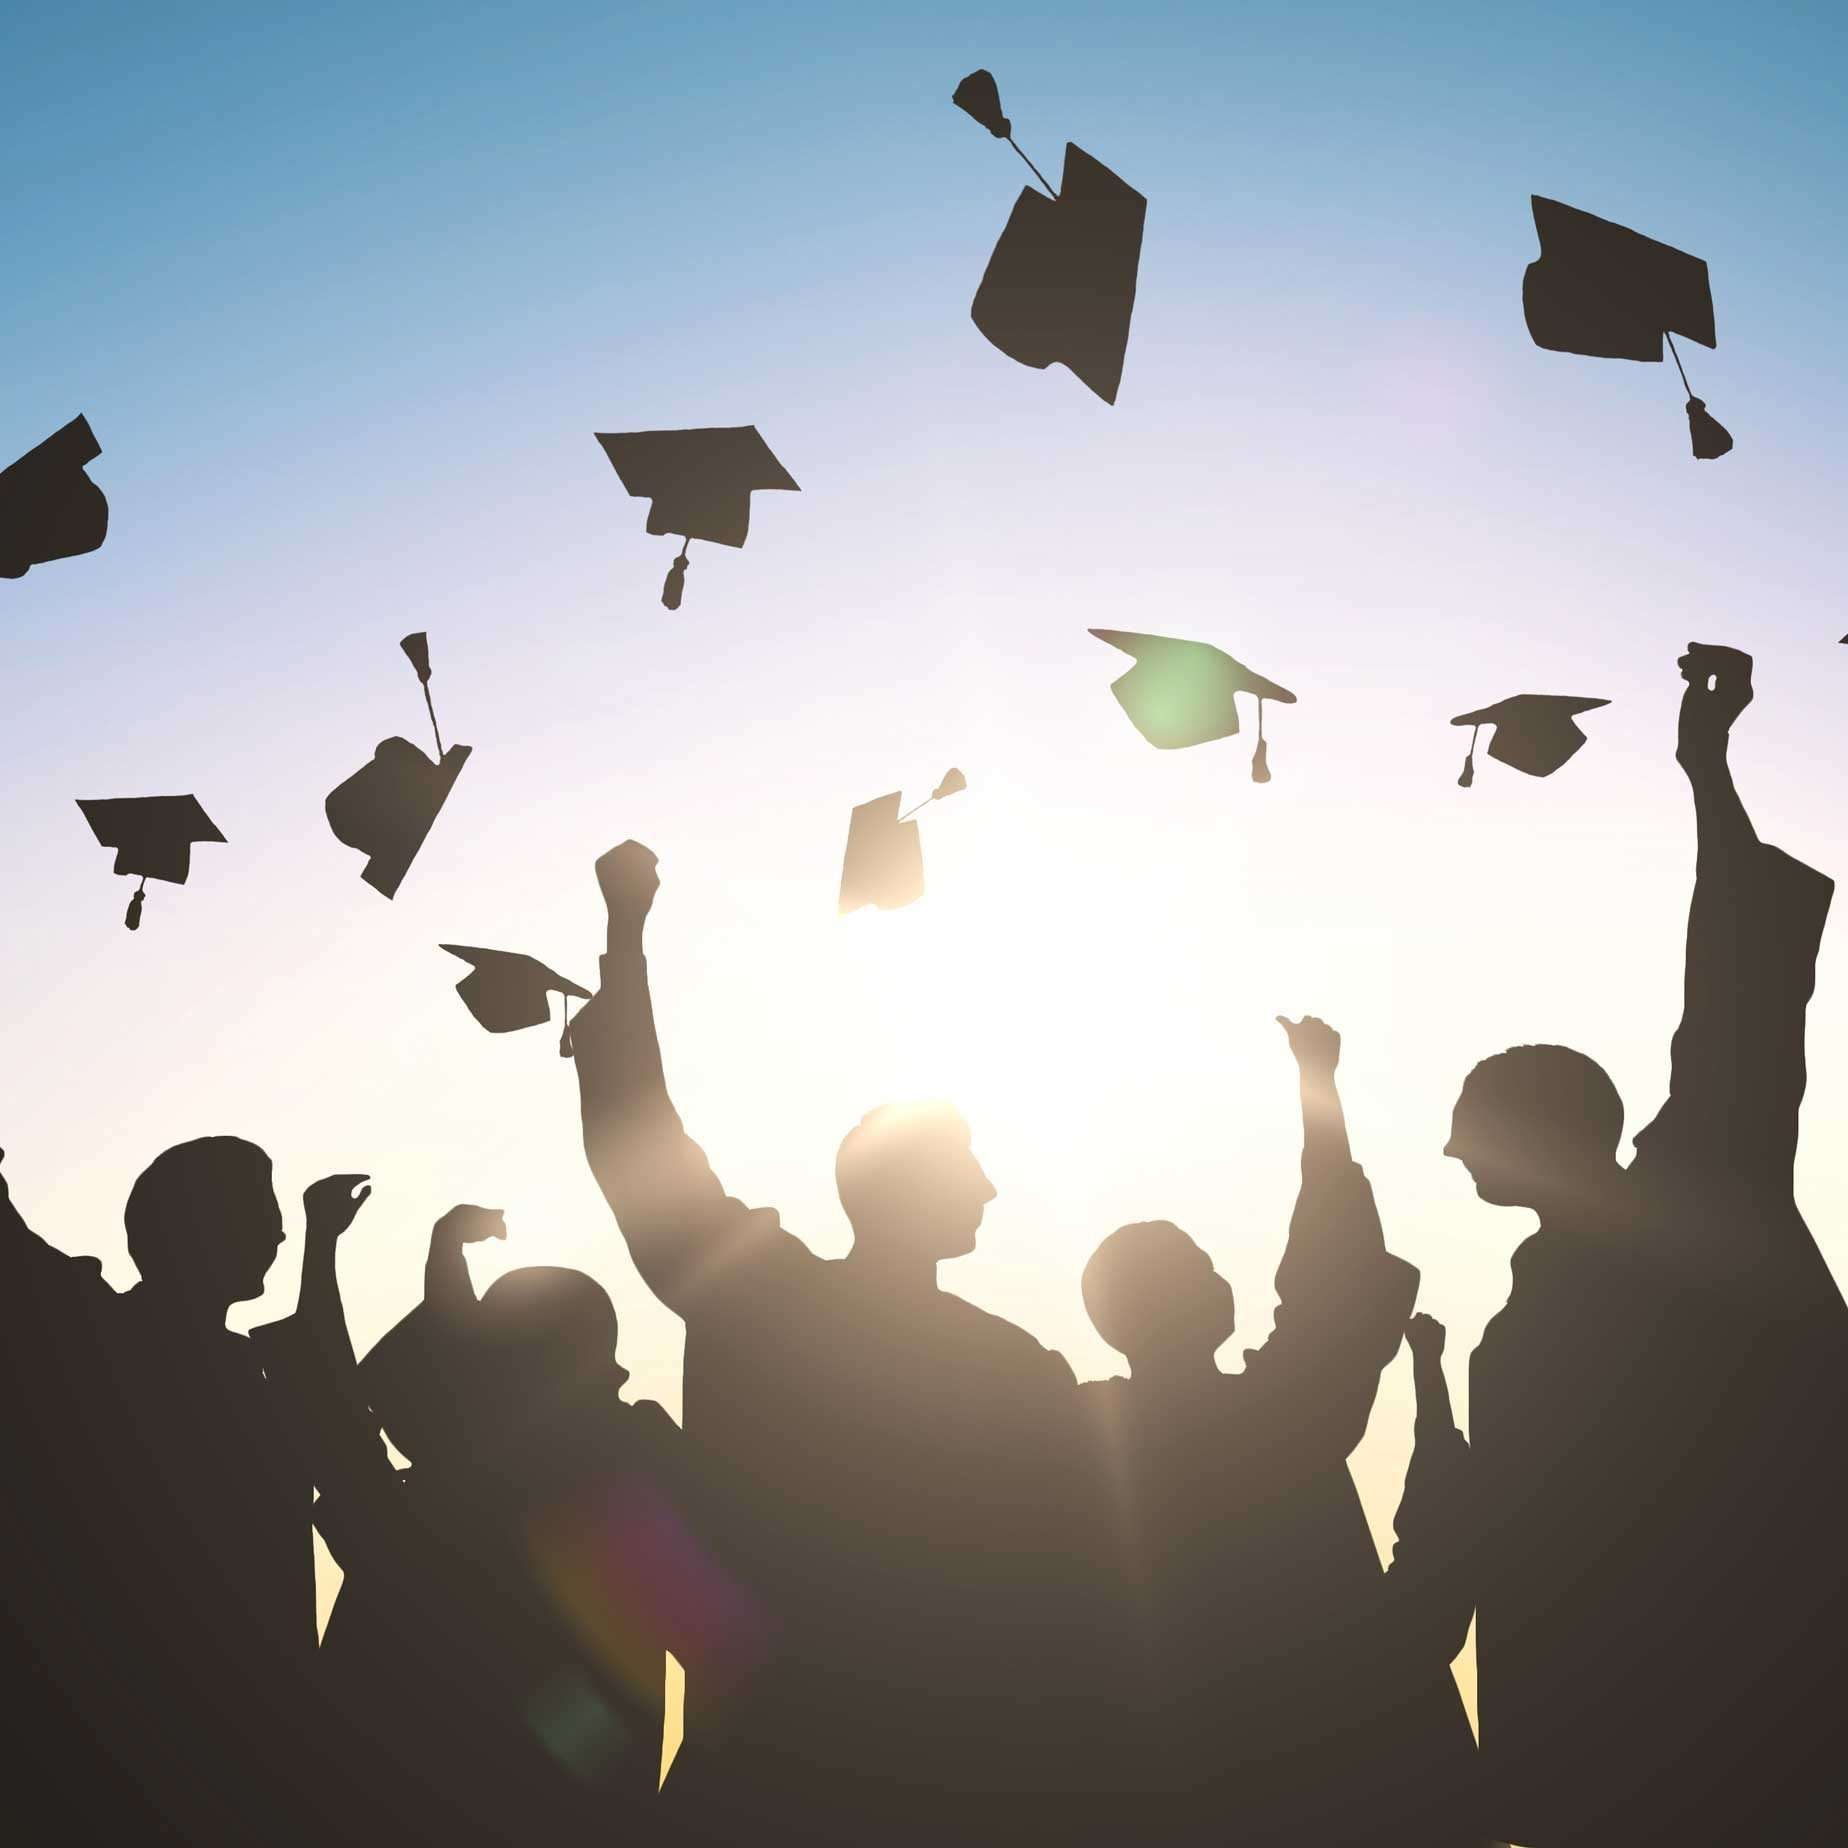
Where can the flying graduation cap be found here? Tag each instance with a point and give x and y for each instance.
(884, 862)
(153, 837)
(1611, 293)
(1181, 693)
(49, 508)
(698, 483)
(506, 991)
(386, 808)
(1061, 284)
(1533, 732)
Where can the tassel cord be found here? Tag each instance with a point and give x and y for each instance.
(1018, 149)
(430, 707)
(1674, 353)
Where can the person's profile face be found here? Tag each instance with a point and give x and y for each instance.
(253, 1229)
(1489, 1152)
(967, 1191)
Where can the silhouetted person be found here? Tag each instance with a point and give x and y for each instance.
(1658, 1411)
(912, 1464)
(505, 1627)
(158, 1556)
(1278, 1704)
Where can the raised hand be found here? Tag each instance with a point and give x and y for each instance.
(629, 881)
(331, 1203)
(1708, 710)
(469, 1225)
(1424, 1335)
(1315, 1044)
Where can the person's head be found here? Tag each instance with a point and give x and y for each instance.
(203, 1224)
(1154, 1295)
(1537, 1126)
(555, 1329)
(910, 1183)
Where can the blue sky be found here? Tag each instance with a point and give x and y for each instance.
(345, 295)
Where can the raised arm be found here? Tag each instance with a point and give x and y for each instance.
(1754, 926)
(309, 1361)
(668, 1202)
(1430, 1591)
(448, 1288)
(1342, 1298)
(1316, 1047)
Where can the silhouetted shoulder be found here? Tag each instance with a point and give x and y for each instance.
(731, 1251)
(1000, 1338)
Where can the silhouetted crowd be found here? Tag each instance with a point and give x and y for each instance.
(927, 1588)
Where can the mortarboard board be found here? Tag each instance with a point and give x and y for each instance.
(1181, 693)
(506, 991)
(1061, 284)
(884, 862)
(49, 508)
(386, 808)
(698, 484)
(153, 837)
(1610, 293)
(1533, 732)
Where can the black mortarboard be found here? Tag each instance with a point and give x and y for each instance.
(506, 991)
(1061, 285)
(1180, 693)
(386, 808)
(1534, 732)
(698, 483)
(1611, 293)
(153, 837)
(49, 508)
(884, 862)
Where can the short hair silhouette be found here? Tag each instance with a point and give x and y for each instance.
(908, 1170)
(558, 1315)
(1149, 1285)
(205, 1211)
(1551, 1096)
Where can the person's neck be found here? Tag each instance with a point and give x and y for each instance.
(185, 1307)
(893, 1269)
(1590, 1204)
(1176, 1375)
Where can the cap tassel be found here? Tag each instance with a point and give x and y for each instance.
(1710, 437)
(565, 1048)
(676, 580)
(1260, 758)
(1469, 762)
(133, 920)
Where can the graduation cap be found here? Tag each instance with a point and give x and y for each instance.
(1180, 693)
(386, 808)
(153, 837)
(1534, 732)
(49, 508)
(506, 991)
(1611, 293)
(1061, 284)
(698, 483)
(884, 862)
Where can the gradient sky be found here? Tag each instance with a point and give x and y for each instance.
(345, 295)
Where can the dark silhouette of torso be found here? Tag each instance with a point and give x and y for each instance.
(912, 1476)
(158, 1561)
(1277, 1703)
(1659, 1414)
